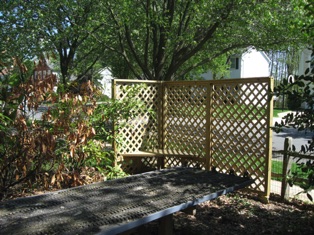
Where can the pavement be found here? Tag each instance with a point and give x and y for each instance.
(299, 138)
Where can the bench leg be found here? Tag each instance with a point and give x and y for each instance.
(161, 162)
(166, 225)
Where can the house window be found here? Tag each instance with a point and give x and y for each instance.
(234, 62)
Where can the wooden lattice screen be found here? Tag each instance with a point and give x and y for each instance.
(223, 124)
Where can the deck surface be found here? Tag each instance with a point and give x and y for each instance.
(115, 206)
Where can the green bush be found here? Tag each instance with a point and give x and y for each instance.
(70, 139)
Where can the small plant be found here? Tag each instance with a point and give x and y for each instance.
(114, 172)
(304, 170)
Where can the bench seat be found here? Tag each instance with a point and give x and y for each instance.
(116, 206)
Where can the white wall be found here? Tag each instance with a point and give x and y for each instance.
(254, 64)
(236, 73)
(207, 76)
(106, 82)
(303, 65)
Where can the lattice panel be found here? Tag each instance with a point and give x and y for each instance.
(135, 165)
(239, 130)
(140, 132)
(223, 124)
(173, 161)
(184, 119)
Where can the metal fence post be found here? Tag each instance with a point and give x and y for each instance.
(285, 188)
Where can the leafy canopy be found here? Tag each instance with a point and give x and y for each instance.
(151, 39)
(165, 40)
(64, 29)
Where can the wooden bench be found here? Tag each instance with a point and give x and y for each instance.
(117, 206)
(183, 157)
(157, 153)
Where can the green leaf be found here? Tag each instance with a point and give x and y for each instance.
(309, 196)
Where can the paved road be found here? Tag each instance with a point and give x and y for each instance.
(298, 138)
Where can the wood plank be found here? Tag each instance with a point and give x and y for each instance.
(159, 153)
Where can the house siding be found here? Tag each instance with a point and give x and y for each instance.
(251, 64)
(254, 64)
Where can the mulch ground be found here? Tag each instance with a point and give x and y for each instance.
(241, 213)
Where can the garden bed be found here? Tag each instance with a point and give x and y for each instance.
(242, 214)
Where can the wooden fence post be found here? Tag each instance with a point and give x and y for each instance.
(285, 188)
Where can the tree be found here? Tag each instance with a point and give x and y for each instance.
(161, 40)
(64, 29)
(165, 40)
(300, 88)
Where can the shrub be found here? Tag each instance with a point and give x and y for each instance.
(68, 139)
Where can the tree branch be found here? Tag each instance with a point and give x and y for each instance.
(147, 39)
(123, 51)
(133, 52)
(163, 37)
(208, 60)
(187, 52)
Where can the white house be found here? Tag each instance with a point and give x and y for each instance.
(252, 63)
(106, 82)
(305, 57)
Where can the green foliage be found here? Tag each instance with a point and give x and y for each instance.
(161, 40)
(304, 170)
(300, 89)
(72, 137)
(114, 172)
(64, 30)
(170, 40)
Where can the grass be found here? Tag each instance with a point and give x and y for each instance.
(240, 111)
(277, 166)
(276, 111)
(277, 169)
(230, 111)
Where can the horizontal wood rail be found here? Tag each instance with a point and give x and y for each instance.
(158, 153)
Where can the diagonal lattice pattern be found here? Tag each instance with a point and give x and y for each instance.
(142, 130)
(221, 124)
(239, 130)
(184, 119)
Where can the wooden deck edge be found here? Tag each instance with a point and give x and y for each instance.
(159, 153)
